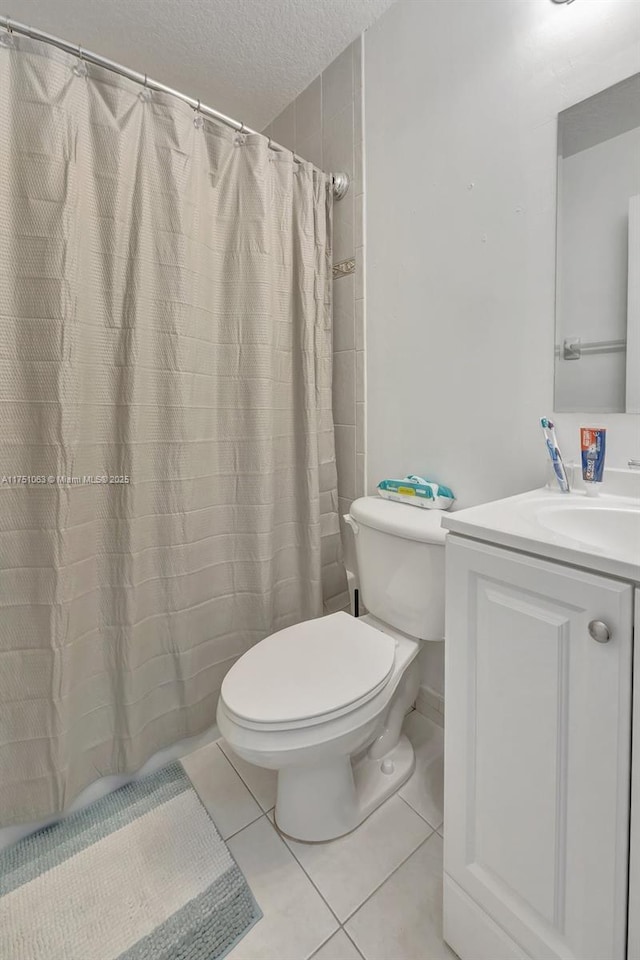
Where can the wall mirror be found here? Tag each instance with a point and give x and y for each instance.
(597, 343)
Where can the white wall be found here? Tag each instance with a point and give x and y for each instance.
(460, 129)
(461, 105)
(594, 187)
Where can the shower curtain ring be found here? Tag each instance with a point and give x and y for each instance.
(80, 69)
(145, 93)
(8, 39)
(198, 120)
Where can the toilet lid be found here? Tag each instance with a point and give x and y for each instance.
(310, 669)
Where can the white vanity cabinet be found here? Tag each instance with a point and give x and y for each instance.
(537, 773)
(633, 945)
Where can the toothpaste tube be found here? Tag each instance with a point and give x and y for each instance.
(592, 447)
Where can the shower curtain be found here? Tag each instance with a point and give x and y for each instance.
(168, 482)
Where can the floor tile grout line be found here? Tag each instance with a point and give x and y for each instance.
(422, 817)
(368, 897)
(301, 865)
(323, 944)
(236, 832)
(229, 760)
(233, 769)
(263, 813)
(355, 945)
(330, 937)
(245, 785)
(341, 923)
(380, 885)
(290, 851)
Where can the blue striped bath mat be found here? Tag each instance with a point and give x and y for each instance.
(141, 874)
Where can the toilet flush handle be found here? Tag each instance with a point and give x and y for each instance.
(349, 519)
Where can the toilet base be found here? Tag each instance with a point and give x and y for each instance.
(326, 801)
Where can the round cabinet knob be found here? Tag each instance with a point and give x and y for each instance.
(599, 631)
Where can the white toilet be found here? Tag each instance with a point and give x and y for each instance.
(323, 702)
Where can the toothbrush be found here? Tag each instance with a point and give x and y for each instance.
(551, 440)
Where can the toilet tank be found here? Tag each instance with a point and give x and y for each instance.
(400, 554)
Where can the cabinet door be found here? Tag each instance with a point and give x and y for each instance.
(537, 758)
(634, 848)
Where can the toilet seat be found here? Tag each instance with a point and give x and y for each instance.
(309, 673)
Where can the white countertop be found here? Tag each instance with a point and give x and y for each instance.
(532, 522)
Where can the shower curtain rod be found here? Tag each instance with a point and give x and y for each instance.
(339, 181)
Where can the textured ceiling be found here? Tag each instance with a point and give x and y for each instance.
(247, 58)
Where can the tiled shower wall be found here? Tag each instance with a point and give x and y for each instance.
(324, 124)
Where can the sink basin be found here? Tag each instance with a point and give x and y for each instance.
(599, 533)
(612, 529)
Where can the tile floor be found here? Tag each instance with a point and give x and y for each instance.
(374, 894)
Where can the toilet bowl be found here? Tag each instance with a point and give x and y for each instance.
(322, 702)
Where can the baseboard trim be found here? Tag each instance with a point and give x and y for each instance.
(470, 932)
(430, 704)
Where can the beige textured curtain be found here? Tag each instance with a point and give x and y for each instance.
(165, 316)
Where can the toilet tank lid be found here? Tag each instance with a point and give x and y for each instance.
(399, 519)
